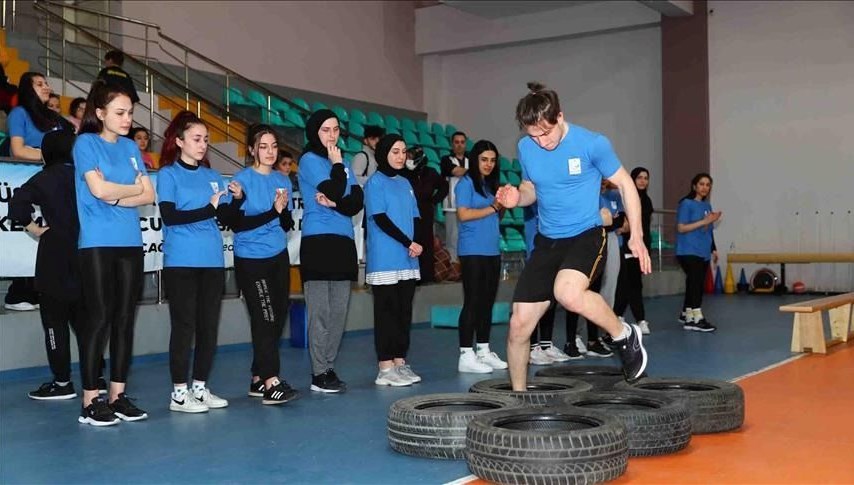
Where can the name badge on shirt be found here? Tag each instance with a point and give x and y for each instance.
(215, 187)
(134, 163)
(574, 166)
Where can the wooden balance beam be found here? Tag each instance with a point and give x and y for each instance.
(808, 326)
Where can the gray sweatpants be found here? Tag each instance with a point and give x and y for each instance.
(326, 303)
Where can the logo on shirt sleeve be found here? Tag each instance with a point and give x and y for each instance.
(574, 166)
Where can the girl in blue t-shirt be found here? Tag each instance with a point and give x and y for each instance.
(262, 264)
(331, 196)
(392, 261)
(480, 257)
(695, 246)
(191, 197)
(111, 182)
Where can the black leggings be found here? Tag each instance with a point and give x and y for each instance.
(59, 317)
(265, 285)
(112, 279)
(695, 274)
(195, 297)
(392, 319)
(480, 285)
(630, 290)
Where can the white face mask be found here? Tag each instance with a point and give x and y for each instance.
(410, 164)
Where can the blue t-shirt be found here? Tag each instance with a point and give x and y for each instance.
(612, 201)
(20, 124)
(198, 244)
(103, 224)
(317, 219)
(567, 180)
(479, 237)
(394, 197)
(260, 191)
(699, 241)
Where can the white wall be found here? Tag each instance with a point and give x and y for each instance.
(609, 82)
(359, 50)
(782, 147)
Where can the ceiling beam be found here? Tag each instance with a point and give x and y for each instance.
(671, 8)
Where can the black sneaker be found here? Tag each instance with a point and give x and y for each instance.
(572, 351)
(701, 326)
(51, 391)
(98, 414)
(256, 389)
(327, 382)
(632, 353)
(102, 386)
(682, 318)
(598, 349)
(280, 394)
(126, 410)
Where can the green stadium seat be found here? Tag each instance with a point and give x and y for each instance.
(407, 124)
(357, 116)
(293, 119)
(276, 119)
(280, 105)
(234, 97)
(517, 167)
(410, 138)
(426, 140)
(437, 130)
(502, 178)
(422, 126)
(513, 179)
(341, 113)
(354, 145)
(301, 103)
(450, 130)
(518, 215)
(392, 124)
(469, 145)
(442, 143)
(502, 245)
(507, 219)
(356, 130)
(375, 119)
(432, 155)
(317, 106)
(257, 98)
(504, 164)
(440, 214)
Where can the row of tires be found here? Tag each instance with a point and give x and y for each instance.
(563, 430)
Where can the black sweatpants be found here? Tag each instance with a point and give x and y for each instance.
(59, 318)
(195, 298)
(111, 278)
(630, 290)
(392, 319)
(695, 274)
(265, 285)
(480, 285)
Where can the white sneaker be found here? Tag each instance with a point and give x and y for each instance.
(21, 307)
(210, 399)
(189, 405)
(391, 377)
(539, 357)
(644, 326)
(469, 362)
(492, 360)
(579, 344)
(407, 372)
(556, 354)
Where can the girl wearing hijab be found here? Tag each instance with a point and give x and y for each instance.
(328, 265)
(695, 246)
(480, 257)
(392, 260)
(261, 261)
(630, 283)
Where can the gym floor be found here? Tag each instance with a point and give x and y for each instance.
(797, 428)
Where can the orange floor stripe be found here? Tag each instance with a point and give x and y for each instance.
(799, 428)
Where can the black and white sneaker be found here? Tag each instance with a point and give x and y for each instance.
(98, 414)
(256, 389)
(280, 394)
(598, 349)
(51, 391)
(572, 351)
(632, 353)
(127, 410)
(683, 317)
(701, 326)
(327, 382)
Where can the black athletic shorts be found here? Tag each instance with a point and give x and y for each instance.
(584, 253)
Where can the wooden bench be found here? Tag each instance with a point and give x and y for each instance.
(808, 326)
(789, 258)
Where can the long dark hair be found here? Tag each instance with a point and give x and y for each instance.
(170, 151)
(100, 95)
(694, 181)
(479, 181)
(44, 119)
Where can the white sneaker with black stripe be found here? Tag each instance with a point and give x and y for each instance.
(189, 404)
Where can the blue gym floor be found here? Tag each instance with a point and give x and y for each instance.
(326, 438)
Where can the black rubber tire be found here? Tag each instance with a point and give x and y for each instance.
(434, 425)
(714, 406)
(656, 424)
(602, 377)
(565, 446)
(541, 390)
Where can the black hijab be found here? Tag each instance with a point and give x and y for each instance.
(57, 146)
(381, 154)
(312, 126)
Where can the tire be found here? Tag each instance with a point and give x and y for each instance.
(434, 425)
(602, 377)
(541, 390)
(655, 423)
(714, 406)
(546, 445)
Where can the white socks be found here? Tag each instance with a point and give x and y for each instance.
(482, 349)
(198, 387)
(179, 392)
(627, 330)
